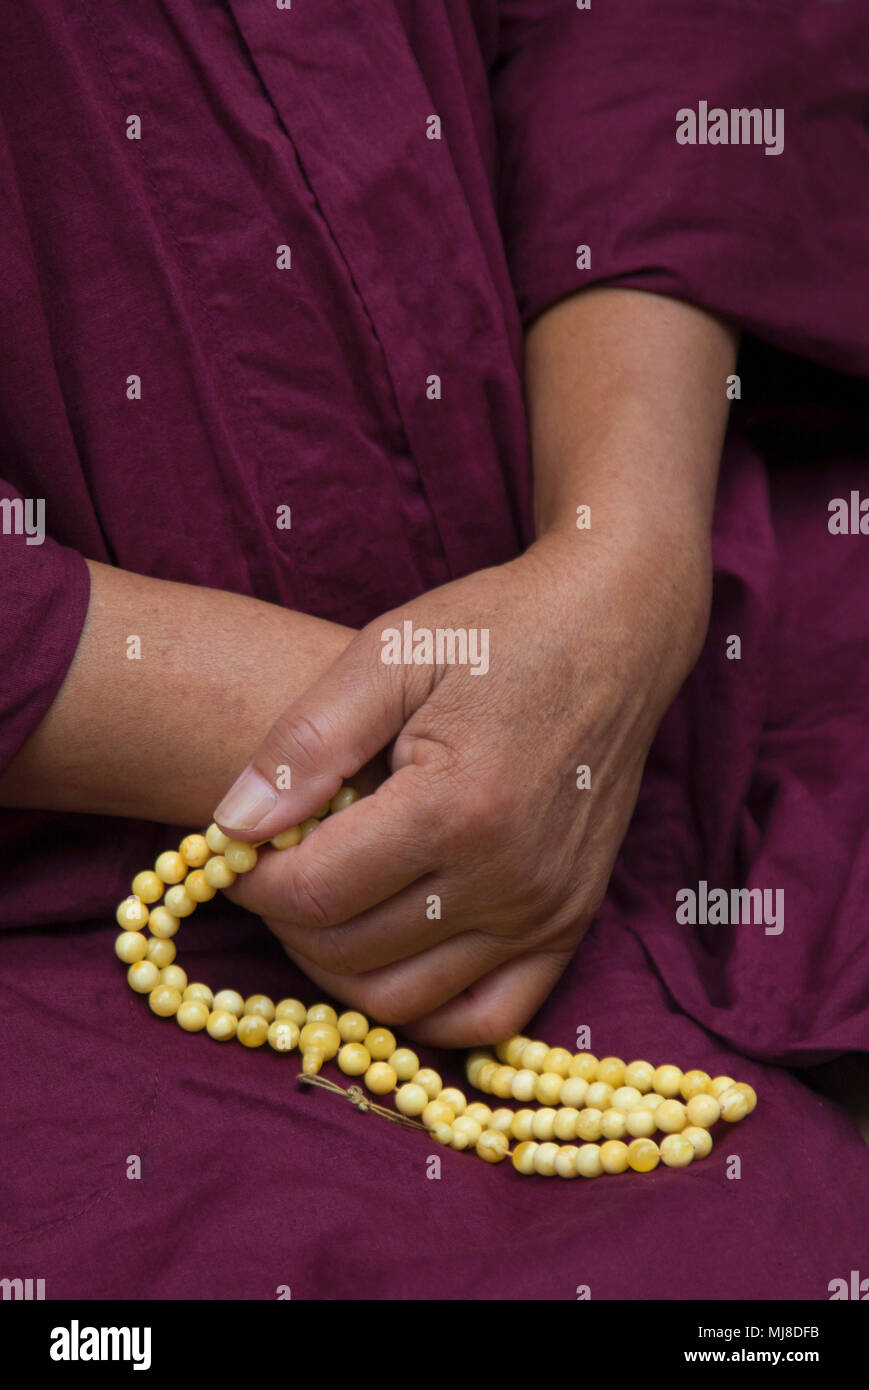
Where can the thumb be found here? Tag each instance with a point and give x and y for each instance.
(342, 721)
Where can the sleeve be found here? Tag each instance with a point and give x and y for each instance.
(44, 593)
(44, 584)
(716, 151)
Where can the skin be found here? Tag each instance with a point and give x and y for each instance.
(591, 635)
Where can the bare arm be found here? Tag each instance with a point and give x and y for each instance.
(161, 737)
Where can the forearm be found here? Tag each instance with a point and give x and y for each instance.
(627, 405)
(161, 737)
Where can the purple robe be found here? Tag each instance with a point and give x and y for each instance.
(283, 251)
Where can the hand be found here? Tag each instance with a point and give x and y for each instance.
(588, 644)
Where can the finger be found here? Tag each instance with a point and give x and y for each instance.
(494, 1007)
(324, 737)
(353, 861)
(417, 985)
(383, 935)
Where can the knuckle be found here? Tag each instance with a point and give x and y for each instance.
(309, 898)
(299, 738)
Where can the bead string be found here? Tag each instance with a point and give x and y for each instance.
(599, 1101)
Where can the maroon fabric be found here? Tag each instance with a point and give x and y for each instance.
(306, 387)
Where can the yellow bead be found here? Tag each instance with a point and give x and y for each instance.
(462, 1125)
(501, 1120)
(198, 888)
(640, 1124)
(222, 1025)
(197, 991)
(143, 976)
(253, 1030)
(194, 850)
(574, 1091)
(668, 1080)
(130, 946)
(565, 1161)
(323, 1013)
(458, 1138)
(599, 1095)
(148, 886)
(312, 1061)
(502, 1082)
(702, 1110)
(453, 1097)
(442, 1134)
(160, 952)
(614, 1156)
(588, 1123)
(307, 826)
(192, 1015)
(291, 1011)
(544, 1160)
(522, 1124)
(533, 1054)
(693, 1083)
(749, 1093)
(218, 873)
(701, 1140)
(176, 977)
(558, 1060)
(650, 1102)
(323, 811)
(625, 1098)
(164, 1000)
(492, 1146)
(283, 1035)
(132, 914)
(543, 1124)
(524, 1084)
(260, 1004)
(719, 1084)
(474, 1066)
(410, 1099)
(353, 1026)
(430, 1082)
(485, 1076)
(170, 867)
(670, 1117)
(163, 923)
(324, 1037)
(215, 839)
(285, 839)
(477, 1110)
(613, 1124)
(641, 1075)
(548, 1088)
(436, 1113)
(240, 857)
(178, 901)
(676, 1150)
(380, 1078)
(523, 1156)
(343, 798)
(403, 1060)
(565, 1122)
(354, 1059)
(381, 1044)
(588, 1164)
(734, 1105)
(612, 1071)
(229, 1000)
(583, 1064)
(511, 1051)
(643, 1155)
